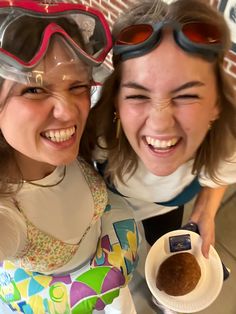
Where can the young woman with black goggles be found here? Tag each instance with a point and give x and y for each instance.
(165, 122)
(60, 227)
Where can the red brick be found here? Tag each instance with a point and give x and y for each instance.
(122, 5)
(232, 56)
(232, 69)
(112, 8)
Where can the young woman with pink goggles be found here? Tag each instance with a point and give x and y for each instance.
(66, 244)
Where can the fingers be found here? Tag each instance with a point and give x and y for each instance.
(207, 233)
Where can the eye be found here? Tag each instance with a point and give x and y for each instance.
(138, 96)
(34, 92)
(186, 99)
(137, 100)
(79, 89)
(184, 96)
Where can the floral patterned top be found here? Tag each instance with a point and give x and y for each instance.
(43, 252)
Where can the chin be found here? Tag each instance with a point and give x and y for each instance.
(64, 161)
(162, 171)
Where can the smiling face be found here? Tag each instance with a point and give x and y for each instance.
(166, 102)
(44, 122)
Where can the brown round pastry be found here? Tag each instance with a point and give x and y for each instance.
(178, 274)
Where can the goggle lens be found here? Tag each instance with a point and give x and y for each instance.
(201, 33)
(135, 34)
(33, 28)
(196, 37)
(85, 29)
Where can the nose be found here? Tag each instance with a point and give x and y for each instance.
(161, 104)
(64, 107)
(161, 117)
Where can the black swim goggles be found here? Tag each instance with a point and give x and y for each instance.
(194, 37)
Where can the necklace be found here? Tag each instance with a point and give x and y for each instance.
(47, 185)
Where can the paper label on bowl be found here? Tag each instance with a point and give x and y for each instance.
(180, 243)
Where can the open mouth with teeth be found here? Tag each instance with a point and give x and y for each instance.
(156, 144)
(59, 135)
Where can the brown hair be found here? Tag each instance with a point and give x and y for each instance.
(219, 143)
(20, 42)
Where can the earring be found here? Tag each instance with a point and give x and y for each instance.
(116, 120)
(210, 124)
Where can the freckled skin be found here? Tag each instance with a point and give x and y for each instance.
(149, 106)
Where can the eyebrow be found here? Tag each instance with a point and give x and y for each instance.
(53, 85)
(135, 86)
(190, 84)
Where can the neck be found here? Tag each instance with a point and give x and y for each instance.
(47, 185)
(32, 170)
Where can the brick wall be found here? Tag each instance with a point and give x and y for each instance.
(112, 8)
(230, 60)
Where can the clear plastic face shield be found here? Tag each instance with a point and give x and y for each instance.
(60, 75)
(27, 29)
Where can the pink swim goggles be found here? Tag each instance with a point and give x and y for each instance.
(84, 29)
